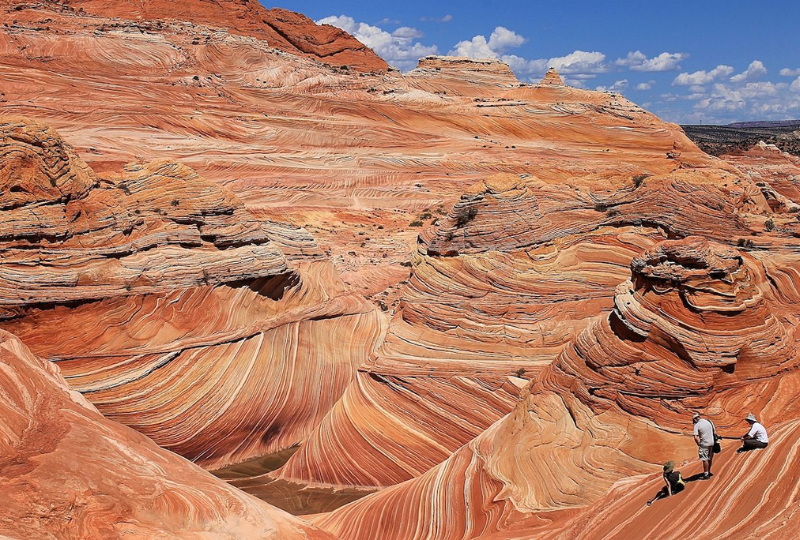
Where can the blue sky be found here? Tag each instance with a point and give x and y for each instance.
(700, 61)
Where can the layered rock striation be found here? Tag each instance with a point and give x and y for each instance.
(614, 402)
(66, 471)
(219, 336)
(283, 29)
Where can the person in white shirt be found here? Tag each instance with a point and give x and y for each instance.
(756, 437)
(704, 438)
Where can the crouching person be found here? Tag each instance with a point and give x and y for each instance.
(756, 437)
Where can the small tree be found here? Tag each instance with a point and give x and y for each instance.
(465, 214)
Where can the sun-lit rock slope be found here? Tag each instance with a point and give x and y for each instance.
(219, 336)
(517, 270)
(282, 29)
(67, 472)
(697, 327)
(356, 157)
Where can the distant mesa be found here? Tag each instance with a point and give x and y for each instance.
(463, 75)
(552, 78)
(464, 63)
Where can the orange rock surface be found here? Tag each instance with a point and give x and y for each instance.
(566, 277)
(282, 29)
(67, 472)
(219, 336)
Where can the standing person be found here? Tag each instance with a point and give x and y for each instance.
(756, 437)
(704, 439)
(673, 481)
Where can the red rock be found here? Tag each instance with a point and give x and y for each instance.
(281, 28)
(66, 471)
(172, 299)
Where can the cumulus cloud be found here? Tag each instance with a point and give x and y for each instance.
(446, 18)
(786, 72)
(405, 32)
(754, 71)
(645, 85)
(524, 67)
(499, 41)
(397, 48)
(638, 61)
(761, 100)
(618, 86)
(702, 77)
(580, 63)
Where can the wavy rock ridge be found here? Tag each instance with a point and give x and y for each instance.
(281, 28)
(619, 394)
(66, 471)
(179, 313)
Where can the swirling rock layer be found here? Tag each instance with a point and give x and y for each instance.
(614, 403)
(281, 28)
(65, 471)
(178, 313)
(583, 277)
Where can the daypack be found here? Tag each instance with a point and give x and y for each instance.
(717, 448)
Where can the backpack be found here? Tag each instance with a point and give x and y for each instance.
(717, 448)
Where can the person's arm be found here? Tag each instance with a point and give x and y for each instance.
(748, 435)
(669, 486)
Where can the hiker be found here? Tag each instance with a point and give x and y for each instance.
(756, 437)
(704, 438)
(673, 481)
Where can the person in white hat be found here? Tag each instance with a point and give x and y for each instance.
(704, 438)
(756, 437)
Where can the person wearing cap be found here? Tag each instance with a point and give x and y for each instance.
(704, 438)
(756, 437)
(673, 481)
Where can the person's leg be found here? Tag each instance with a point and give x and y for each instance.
(752, 444)
(704, 453)
(710, 459)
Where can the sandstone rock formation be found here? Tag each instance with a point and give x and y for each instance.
(565, 276)
(65, 471)
(283, 29)
(219, 336)
(552, 78)
(614, 402)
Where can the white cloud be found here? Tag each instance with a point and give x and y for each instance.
(387, 20)
(405, 32)
(702, 77)
(580, 63)
(398, 48)
(618, 86)
(754, 100)
(754, 71)
(638, 61)
(446, 18)
(645, 85)
(499, 41)
(521, 66)
(786, 72)
(502, 39)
